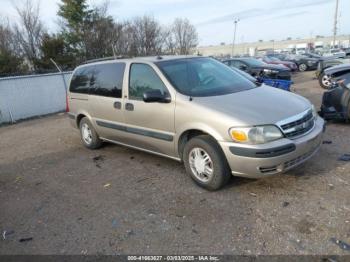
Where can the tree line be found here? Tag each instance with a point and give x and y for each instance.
(85, 33)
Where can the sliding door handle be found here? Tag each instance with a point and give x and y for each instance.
(129, 107)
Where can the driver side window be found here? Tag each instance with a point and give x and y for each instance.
(143, 78)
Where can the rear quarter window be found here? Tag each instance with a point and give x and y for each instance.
(80, 82)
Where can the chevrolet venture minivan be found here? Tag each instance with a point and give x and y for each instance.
(195, 110)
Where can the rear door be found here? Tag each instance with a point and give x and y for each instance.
(149, 125)
(105, 99)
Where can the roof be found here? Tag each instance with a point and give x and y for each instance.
(151, 59)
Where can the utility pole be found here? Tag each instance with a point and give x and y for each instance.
(335, 22)
(234, 36)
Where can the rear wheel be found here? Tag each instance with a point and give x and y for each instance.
(302, 67)
(88, 134)
(206, 163)
(324, 81)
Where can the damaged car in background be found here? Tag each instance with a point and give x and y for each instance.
(336, 100)
(257, 68)
(276, 61)
(273, 75)
(323, 78)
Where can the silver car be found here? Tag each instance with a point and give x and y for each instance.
(196, 110)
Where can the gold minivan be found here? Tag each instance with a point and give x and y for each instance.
(215, 120)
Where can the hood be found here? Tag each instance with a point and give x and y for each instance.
(284, 63)
(337, 68)
(273, 67)
(258, 106)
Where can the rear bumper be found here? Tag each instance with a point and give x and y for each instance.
(256, 161)
(72, 119)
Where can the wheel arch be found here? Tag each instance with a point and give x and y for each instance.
(80, 116)
(190, 133)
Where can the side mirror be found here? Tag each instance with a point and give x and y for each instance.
(153, 96)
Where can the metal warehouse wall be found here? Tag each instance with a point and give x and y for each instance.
(35, 95)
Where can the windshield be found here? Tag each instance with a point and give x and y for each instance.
(203, 77)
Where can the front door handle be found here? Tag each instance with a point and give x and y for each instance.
(129, 107)
(117, 105)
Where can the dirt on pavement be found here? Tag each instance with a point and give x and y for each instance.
(116, 200)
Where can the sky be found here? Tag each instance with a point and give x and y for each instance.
(258, 19)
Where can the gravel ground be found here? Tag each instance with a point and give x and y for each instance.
(70, 200)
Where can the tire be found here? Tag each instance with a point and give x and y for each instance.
(193, 158)
(88, 135)
(302, 67)
(324, 81)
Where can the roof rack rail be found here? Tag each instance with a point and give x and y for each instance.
(103, 59)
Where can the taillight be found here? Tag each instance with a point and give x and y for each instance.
(67, 105)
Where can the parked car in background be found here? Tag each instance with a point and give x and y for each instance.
(347, 51)
(258, 68)
(335, 53)
(334, 74)
(323, 78)
(278, 83)
(304, 63)
(313, 55)
(276, 61)
(195, 110)
(336, 100)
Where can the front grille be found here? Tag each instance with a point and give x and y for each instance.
(299, 126)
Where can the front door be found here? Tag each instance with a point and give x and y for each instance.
(150, 125)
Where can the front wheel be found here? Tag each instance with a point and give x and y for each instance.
(302, 67)
(206, 163)
(324, 81)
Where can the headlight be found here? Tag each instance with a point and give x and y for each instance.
(256, 134)
(269, 71)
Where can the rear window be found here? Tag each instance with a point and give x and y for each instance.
(203, 77)
(107, 80)
(80, 82)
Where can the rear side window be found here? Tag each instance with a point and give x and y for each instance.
(142, 79)
(107, 80)
(80, 82)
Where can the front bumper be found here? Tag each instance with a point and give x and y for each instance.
(256, 161)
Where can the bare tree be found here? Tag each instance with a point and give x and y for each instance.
(10, 57)
(29, 31)
(185, 34)
(146, 36)
(99, 33)
(8, 43)
(169, 45)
